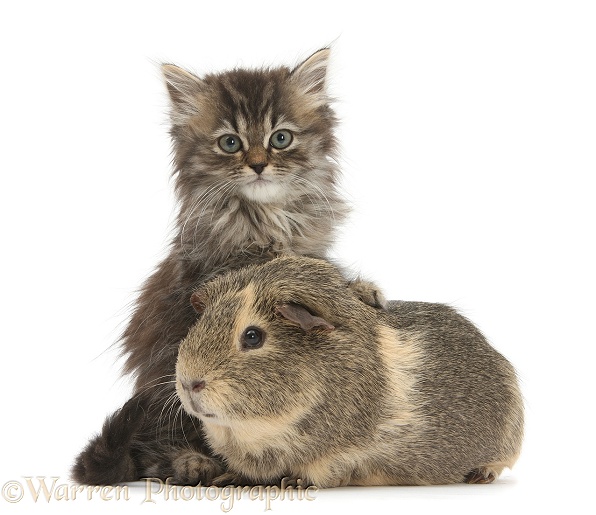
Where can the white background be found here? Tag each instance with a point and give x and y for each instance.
(468, 135)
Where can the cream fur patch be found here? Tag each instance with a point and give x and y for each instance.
(401, 359)
(246, 316)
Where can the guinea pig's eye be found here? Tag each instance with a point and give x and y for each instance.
(230, 143)
(281, 139)
(252, 338)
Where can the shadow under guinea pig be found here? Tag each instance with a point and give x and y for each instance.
(292, 375)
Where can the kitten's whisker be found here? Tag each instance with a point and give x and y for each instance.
(303, 183)
(196, 204)
(202, 200)
(230, 185)
(323, 196)
(206, 200)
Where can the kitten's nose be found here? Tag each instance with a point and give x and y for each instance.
(258, 167)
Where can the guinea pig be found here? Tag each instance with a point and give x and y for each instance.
(293, 376)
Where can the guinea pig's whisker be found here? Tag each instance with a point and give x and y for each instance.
(172, 424)
(148, 387)
(154, 380)
(166, 408)
(179, 413)
(167, 404)
(192, 422)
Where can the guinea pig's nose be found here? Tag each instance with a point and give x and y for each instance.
(197, 386)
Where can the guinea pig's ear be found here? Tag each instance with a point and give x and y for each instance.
(299, 315)
(199, 300)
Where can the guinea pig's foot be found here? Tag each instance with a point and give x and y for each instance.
(192, 468)
(231, 479)
(369, 293)
(293, 482)
(480, 476)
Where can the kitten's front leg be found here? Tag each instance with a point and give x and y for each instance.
(192, 467)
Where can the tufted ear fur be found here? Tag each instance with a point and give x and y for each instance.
(183, 88)
(199, 300)
(310, 75)
(299, 315)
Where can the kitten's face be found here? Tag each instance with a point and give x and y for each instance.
(263, 135)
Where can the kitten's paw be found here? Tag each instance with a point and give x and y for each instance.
(192, 468)
(100, 465)
(480, 476)
(369, 293)
(106, 460)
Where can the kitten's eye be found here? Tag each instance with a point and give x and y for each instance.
(230, 143)
(252, 338)
(281, 139)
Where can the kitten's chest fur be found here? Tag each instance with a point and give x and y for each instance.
(239, 227)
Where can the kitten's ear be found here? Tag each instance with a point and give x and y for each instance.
(310, 75)
(183, 88)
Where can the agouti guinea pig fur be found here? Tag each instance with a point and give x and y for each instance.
(293, 376)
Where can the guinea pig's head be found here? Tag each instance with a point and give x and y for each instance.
(269, 343)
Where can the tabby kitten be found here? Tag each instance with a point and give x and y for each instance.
(256, 176)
